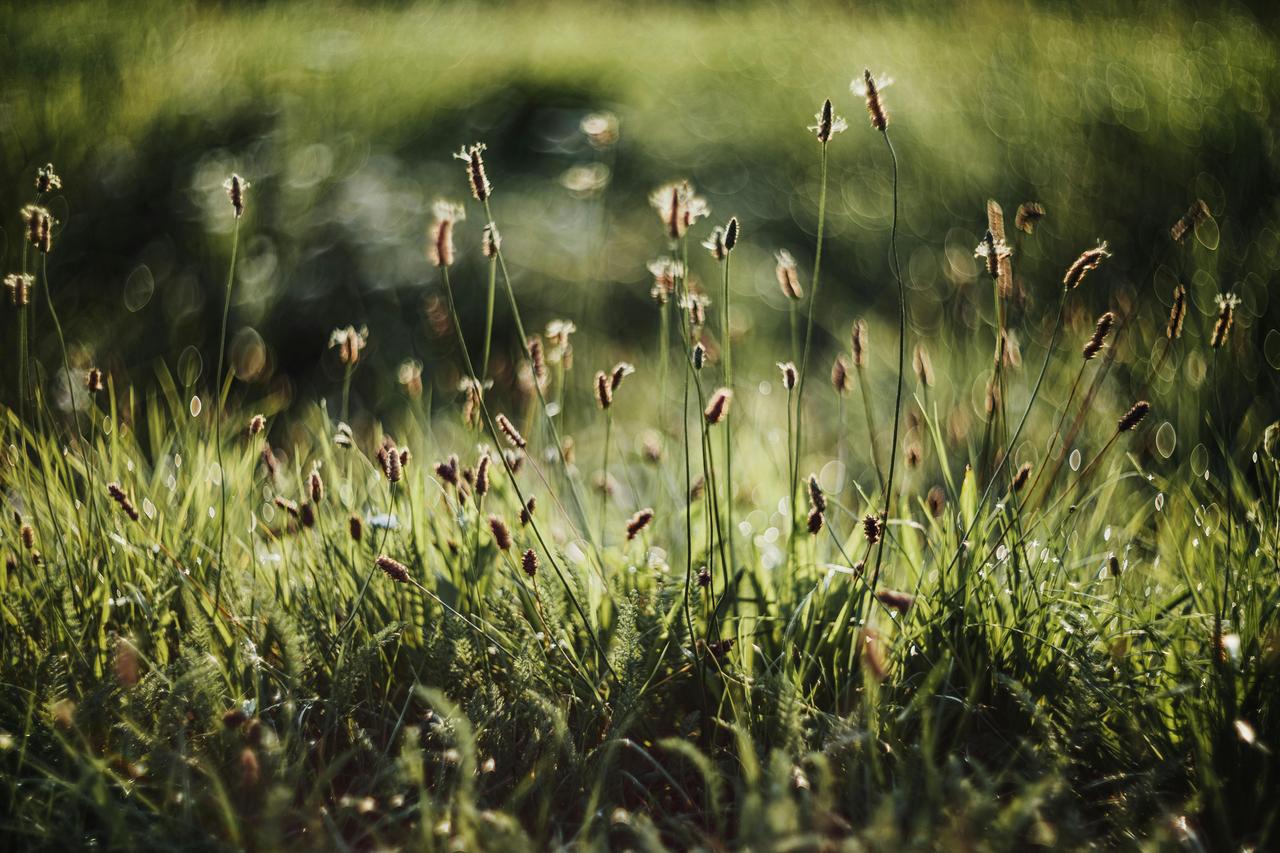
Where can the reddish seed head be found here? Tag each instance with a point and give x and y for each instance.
(397, 571)
(718, 409)
(501, 535)
(639, 522)
(529, 562)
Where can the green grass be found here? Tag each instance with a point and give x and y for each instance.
(1092, 659)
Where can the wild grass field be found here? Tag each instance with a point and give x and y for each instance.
(915, 486)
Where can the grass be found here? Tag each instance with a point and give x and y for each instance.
(306, 639)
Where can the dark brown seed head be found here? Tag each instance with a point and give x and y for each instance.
(731, 234)
(828, 123)
(1134, 416)
(789, 375)
(840, 375)
(875, 109)
(482, 475)
(390, 458)
(1099, 337)
(307, 514)
(509, 430)
(871, 529)
(699, 355)
(256, 424)
(234, 718)
(621, 371)
(718, 408)
(815, 521)
(355, 527)
(447, 470)
(1020, 479)
(1085, 264)
(1028, 215)
(473, 156)
(1113, 565)
(704, 577)
(639, 522)
(315, 485)
(990, 254)
(526, 511)
(817, 499)
(894, 600)
(28, 536)
(529, 562)
(93, 380)
(236, 187)
(604, 390)
(1197, 213)
(501, 535)
(1177, 314)
(858, 337)
(397, 571)
(117, 494)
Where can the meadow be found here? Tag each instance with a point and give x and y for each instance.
(676, 464)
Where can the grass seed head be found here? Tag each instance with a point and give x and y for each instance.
(1085, 264)
(894, 600)
(639, 522)
(621, 371)
(840, 375)
(828, 123)
(529, 563)
(875, 109)
(871, 529)
(482, 475)
(93, 381)
(257, 424)
(526, 511)
(1227, 303)
(118, 495)
(501, 535)
(788, 278)
(604, 390)
(817, 499)
(47, 180)
(1093, 346)
(509, 430)
(1028, 216)
(19, 286)
(923, 365)
(473, 156)
(491, 241)
(1020, 478)
(315, 485)
(718, 409)
(858, 339)
(1134, 416)
(38, 224)
(789, 375)
(395, 570)
(1177, 314)
(814, 521)
(936, 501)
(447, 215)
(1197, 213)
(355, 527)
(236, 188)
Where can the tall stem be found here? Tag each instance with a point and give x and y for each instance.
(488, 316)
(727, 344)
(808, 336)
(902, 359)
(217, 411)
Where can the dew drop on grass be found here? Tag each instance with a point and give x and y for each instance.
(1160, 502)
(1200, 460)
(212, 512)
(148, 508)
(1074, 460)
(1166, 439)
(196, 406)
(1106, 534)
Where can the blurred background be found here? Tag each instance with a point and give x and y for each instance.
(344, 117)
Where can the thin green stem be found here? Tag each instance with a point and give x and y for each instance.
(217, 412)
